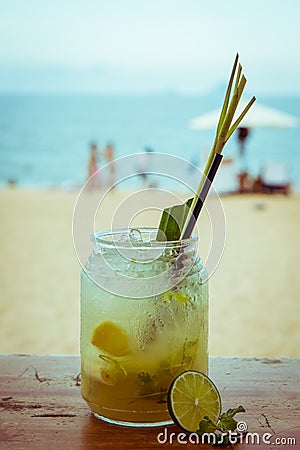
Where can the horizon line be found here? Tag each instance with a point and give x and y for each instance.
(134, 93)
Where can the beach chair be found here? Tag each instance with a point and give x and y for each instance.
(275, 178)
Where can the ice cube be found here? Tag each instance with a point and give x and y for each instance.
(135, 236)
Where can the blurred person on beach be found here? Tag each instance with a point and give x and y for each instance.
(244, 178)
(109, 156)
(93, 166)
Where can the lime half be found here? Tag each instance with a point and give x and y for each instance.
(191, 396)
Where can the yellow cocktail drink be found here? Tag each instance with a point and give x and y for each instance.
(134, 345)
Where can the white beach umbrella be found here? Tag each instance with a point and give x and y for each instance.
(258, 116)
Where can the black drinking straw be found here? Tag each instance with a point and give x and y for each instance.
(203, 194)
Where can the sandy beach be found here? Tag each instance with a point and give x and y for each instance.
(254, 293)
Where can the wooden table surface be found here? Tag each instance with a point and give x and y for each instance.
(41, 407)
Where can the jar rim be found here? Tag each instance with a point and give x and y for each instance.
(112, 237)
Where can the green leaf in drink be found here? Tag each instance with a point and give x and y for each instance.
(172, 221)
(180, 297)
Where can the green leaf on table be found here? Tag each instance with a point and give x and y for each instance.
(172, 221)
(206, 425)
(225, 424)
(226, 420)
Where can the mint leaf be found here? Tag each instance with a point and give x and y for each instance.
(172, 221)
(180, 297)
(225, 423)
(144, 377)
(206, 425)
(228, 424)
(226, 420)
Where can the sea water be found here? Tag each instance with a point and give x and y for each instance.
(44, 139)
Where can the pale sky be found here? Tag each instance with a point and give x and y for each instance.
(147, 45)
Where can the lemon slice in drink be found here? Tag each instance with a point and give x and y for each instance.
(111, 338)
(191, 396)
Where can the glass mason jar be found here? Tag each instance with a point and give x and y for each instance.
(144, 320)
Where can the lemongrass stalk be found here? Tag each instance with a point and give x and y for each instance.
(224, 128)
(227, 95)
(238, 79)
(213, 150)
(220, 123)
(238, 90)
(216, 145)
(240, 118)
